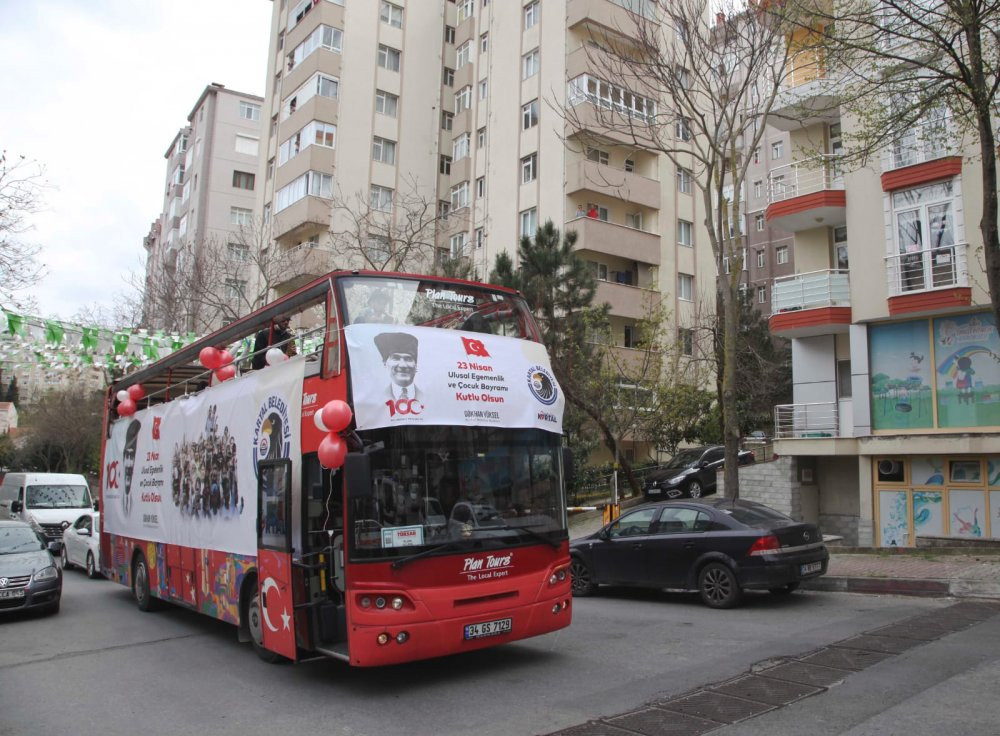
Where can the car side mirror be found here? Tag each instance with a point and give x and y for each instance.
(84, 532)
(97, 505)
(604, 534)
(54, 546)
(16, 506)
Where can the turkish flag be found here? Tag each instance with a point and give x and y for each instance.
(475, 347)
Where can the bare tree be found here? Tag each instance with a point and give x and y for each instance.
(21, 184)
(696, 88)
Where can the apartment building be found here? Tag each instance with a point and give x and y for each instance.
(460, 105)
(209, 194)
(893, 433)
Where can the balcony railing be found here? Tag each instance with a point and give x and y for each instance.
(813, 290)
(927, 141)
(806, 421)
(811, 175)
(927, 269)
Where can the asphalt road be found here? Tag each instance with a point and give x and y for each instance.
(102, 667)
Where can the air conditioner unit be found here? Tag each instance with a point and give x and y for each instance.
(889, 467)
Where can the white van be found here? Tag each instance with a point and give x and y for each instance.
(50, 502)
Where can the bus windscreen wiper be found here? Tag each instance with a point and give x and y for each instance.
(455, 545)
(527, 530)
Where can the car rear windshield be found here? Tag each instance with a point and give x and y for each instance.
(754, 515)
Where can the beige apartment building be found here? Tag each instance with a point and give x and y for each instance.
(209, 194)
(459, 105)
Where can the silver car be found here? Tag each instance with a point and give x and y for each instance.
(29, 576)
(81, 544)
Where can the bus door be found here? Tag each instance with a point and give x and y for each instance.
(274, 555)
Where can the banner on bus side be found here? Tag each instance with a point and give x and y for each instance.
(426, 375)
(185, 472)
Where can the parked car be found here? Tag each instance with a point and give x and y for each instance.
(29, 576)
(718, 547)
(82, 544)
(690, 473)
(49, 502)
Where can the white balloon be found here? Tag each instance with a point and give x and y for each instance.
(274, 355)
(122, 395)
(318, 421)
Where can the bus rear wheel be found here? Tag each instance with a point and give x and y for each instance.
(255, 624)
(144, 599)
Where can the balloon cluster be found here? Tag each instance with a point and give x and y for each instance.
(128, 399)
(333, 418)
(219, 361)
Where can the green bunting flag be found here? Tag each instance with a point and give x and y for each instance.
(89, 339)
(15, 323)
(54, 332)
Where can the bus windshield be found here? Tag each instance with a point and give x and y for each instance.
(430, 303)
(433, 486)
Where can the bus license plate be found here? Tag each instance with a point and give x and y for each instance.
(487, 628)
(11, 594)
(810, 568)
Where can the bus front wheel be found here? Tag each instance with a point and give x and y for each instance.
(257, 632)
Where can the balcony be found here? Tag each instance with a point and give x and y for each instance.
(617, 16)
(807, 194)
(806, 100)
(632, 302)
(806, 421)
(928, 152)
(308, 213)
(591, 176)
(620, 241)
(609, 112)
(928, 280)
(301, 264)
(808, 304)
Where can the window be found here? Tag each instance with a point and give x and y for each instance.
(483, 90)
(758, 188)
(391, 14)
(597, 155)
(682, 129)
(529, 223)
(685, 337)
(481, 186)
(777, 150)
(456, 245)
(840, 247)
(384, 150)
(685, 287)
(460, 147)
(465, 10)
(236, 288)
(925, 236)
(460, 196)
(386, 103)
(247, 145)
(449, 34)
(762, 295)
(310, 184)
(529, 64)
(761, 258)
(463, 99)
(249, 111)
(600, 270)
(464, 54)
(381, 198)
(756, 155)
(378, 248)
(388, 58)
(447, 120)
(444, 208)
(685, 233)
(448, 77)
(531, 14)
(587, 88)
(629, 165)
(240, 216)
(844, 379)
(318, 84)
(484, 43)
(324, 37)
(243, 180)
(266, 216)
(781, 255)
(683, 181)
(444, 165)
(529, 168)
(481, 137)
(314, 133)
(480, 237)
(758, 221)
(602, 212)
(239, 252)
(529, 115)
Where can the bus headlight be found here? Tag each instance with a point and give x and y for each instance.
(382, 639)
(397, 603)
(380, 602)
(402, 637)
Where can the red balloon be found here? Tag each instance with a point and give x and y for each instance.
(136, 392)
(126, 408)
(332, 451)
(209, 358)
(337, 415)
(225, 372)
(225, 357)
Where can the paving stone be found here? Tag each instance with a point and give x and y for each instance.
(766, 689)
(807, 673)
(847, 659)
(657, 722)
(893, 645)
(716, 707)
(591, 728)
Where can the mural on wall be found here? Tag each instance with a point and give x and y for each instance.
(968, 513)
(894, 529)
(968, 374)
(901, 369)
(927, 471)
(928, 518)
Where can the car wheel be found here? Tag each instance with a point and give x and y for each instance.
(694, 489)
(92, 571)
(140, 586)
(257, 632)
(52, 608)
(579, 572)
(64, 556)
(718, 586)
(784, 589)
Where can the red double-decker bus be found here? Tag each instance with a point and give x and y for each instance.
(386, 485)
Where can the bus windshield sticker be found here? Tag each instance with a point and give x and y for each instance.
(423, 375)
(403, 536)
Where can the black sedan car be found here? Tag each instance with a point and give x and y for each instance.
(719, 547)
(690, 473)
(29, 576)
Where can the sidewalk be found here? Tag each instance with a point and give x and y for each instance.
(922, 572)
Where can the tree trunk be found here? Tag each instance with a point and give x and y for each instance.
(731, 428)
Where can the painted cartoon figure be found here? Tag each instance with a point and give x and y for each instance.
(963, 380)
(969, 528)
(915, 379)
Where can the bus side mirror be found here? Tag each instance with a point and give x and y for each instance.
(569, 474)
(358, 471)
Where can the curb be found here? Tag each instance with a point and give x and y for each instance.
(906, 586)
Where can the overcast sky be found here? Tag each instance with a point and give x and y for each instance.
(95, 90)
